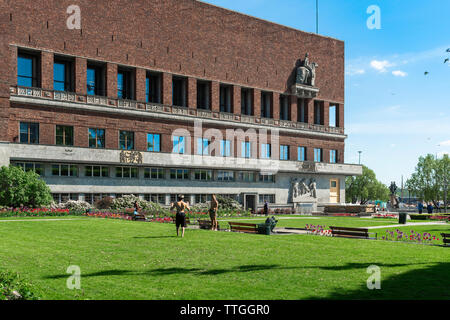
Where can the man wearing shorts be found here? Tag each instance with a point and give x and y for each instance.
(180, 218)
(213, 212)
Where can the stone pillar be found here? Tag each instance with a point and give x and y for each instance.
(111, 80)
(166, 89)
(81, 76)
(309, 105)
(192, 93)
(141, 76)
(294, 108)
(4, 154)
(47, 61)
(340, 115)
(257, 103)
(326, 113)
(236, 103)
(276, 106)
(215, 96)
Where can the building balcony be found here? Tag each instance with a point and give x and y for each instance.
(40, 96)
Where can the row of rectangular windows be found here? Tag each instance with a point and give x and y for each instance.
(72, 170)
(63, 80)
(29, 133)
(160, 198)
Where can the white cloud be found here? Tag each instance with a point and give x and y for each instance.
(381, 66)
(354, 72)
(399, 73)
(445, 143)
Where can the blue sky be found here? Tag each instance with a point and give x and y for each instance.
(394, 113)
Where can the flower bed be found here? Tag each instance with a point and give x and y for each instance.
(385, 216)
(412, 236)
(108, 215)
(40, 212)
(318, 230)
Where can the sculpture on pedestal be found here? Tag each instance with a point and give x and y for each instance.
(306, 73)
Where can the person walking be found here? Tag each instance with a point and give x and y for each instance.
(420, 207)
(266, 208)
(136, 210)
(213, 212)
(180, 219)
(430, 208)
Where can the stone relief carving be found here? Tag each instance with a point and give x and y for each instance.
(134, 157)
(302, 190)
(306, 73)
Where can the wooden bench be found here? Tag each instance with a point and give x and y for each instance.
(139, 217)
(174, 221)
(446, 238)
(243, 227)
(359, 233)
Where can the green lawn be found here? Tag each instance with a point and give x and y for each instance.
(135, 260)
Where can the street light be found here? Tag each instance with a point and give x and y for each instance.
(359, 156)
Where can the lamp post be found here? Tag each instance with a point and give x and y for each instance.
(317, 16)
(359, 156)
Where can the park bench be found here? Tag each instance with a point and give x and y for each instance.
(446, 238)
(206, 224)
(359, 233)
(139, 217)
(243, 227)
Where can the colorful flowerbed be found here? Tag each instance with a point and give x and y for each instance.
(108, 215)
(412, 236)
(385, 215)
(318, 230)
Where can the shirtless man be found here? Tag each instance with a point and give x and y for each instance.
(213, 212)
(180, 206)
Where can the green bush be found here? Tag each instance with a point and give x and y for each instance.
(226, 203)
(13, 287)
(104, 203)
(423, 216)
(19, 188)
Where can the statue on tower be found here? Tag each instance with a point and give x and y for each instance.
(306, 73)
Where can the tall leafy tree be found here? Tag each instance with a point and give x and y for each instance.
(365, 188)
(19, 188)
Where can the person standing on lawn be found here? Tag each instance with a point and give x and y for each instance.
(180, 218)
(420, 207)
(266, 208)
(213, 212)
(430, 208)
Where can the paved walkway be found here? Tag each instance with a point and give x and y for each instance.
(409, 224)
(263, 218)
(32, 220)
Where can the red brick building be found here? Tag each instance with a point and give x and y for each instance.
(96, 109)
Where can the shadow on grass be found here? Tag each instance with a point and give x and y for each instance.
(155, 237)
(432, 283)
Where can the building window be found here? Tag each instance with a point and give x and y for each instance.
(225, 176)
(155, 198)
(266, 177)
(202, 146)
(29, 166)
(246, 150)
(126, 140)
(65, 170)
(333, 116)
(202, 198)
(64, 197)
(318, 112)
(96, 138)
(226, 98)
(285, 107)
(153, 142)
(92, 198)
(203, 175)
(246, 176)
(154, 173)
(270, 198)
(179, 91)
(179, 174)
(63, 75)
(153, 88)
(125, 84)
(96, 171)
(64, 136)
(266, 105)
(203, 95)
(302, 112)
(266, 151)
(284, 152)
(178, 144)
(247, 102)
(318, 155)
(225, 148)
(126, 172)
(28, 66)
(302, 154)
(333, 156)
(96, 80)
(29, 133)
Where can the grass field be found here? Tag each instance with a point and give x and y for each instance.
(133, 260)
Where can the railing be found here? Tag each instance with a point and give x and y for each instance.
(166, 109)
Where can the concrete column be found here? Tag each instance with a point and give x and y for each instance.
(4, 154)
(166, 89)
(141, 75)
(111, 80)
(47, 70)
(80, 76)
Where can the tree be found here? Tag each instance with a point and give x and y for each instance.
(430, 180)
(19, 188)
(365, 187)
